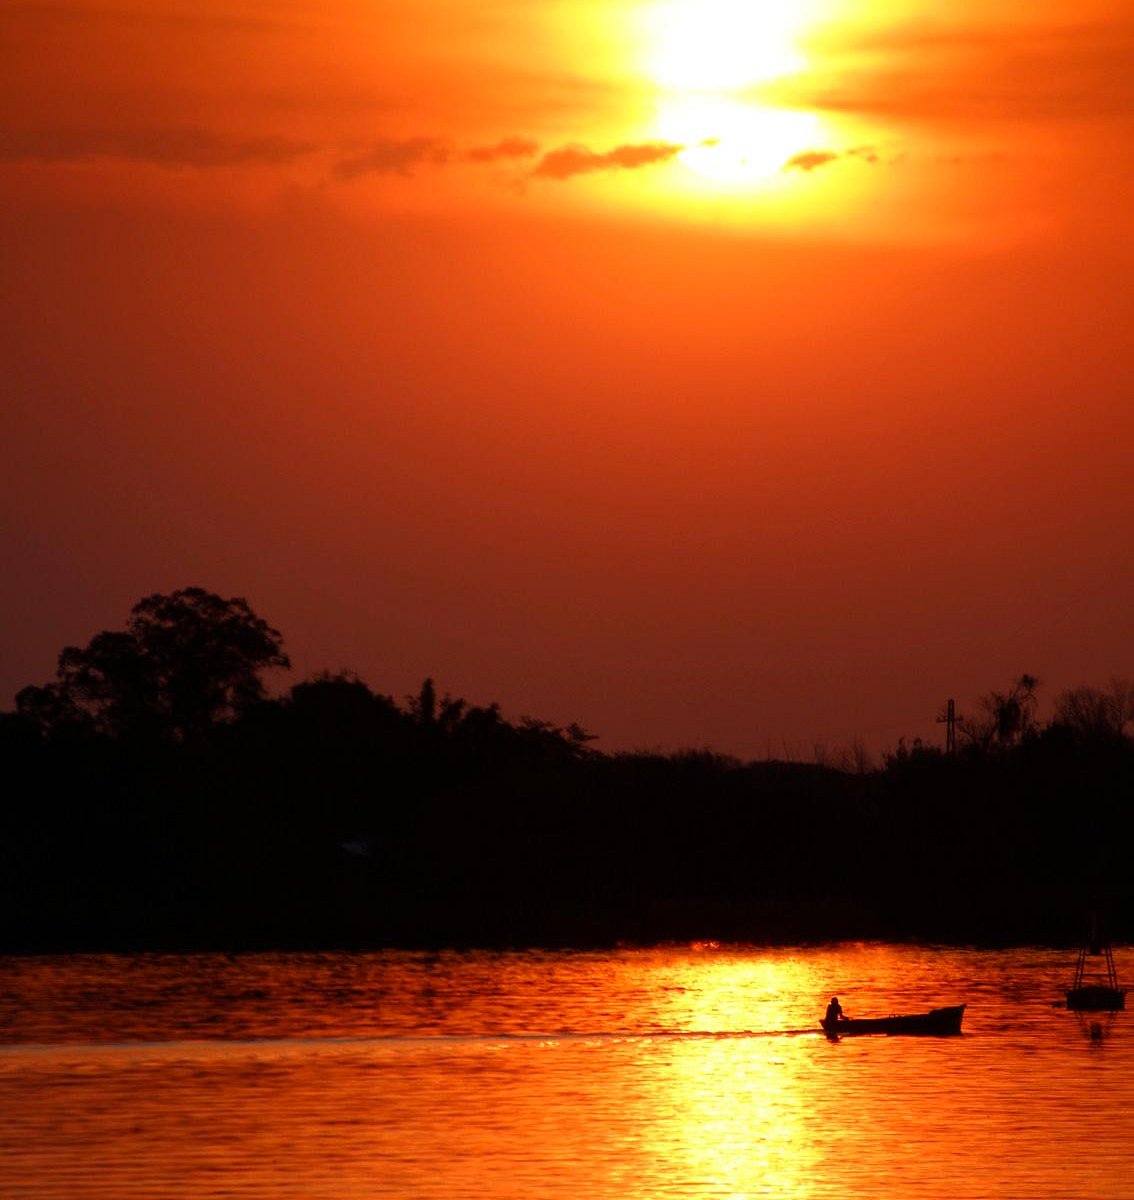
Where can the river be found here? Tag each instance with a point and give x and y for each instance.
(681, 1071)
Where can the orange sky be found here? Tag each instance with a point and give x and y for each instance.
(753, 375)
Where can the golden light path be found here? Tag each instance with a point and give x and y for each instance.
(738, 1108)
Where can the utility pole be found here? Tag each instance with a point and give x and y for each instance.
(950, 720)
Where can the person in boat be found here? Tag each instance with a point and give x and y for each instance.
(834, 1010)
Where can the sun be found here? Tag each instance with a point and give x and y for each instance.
(731, 141)
(708, 60)
(714, 44)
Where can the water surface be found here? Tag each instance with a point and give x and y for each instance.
(694, 1072)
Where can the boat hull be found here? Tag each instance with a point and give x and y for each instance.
(1096, 999)
(938, 1022)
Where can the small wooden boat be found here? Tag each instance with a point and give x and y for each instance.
(938, 1022)
(1096, 991)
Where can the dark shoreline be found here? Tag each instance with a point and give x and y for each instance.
(337, 820)
(724, 936)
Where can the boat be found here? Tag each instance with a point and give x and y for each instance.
(938, 1022)
(1097, 991)
(1096, 998)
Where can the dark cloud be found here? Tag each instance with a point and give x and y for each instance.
(186, 146)
(183, 146)
(506, 148)
(810, 160)
(569, 161)
(170, 146)
(395, 156)
(400, 156)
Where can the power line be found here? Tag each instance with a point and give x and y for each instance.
(950, 719)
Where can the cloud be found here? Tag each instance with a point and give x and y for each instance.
(184, 146)
(170, 146)
(812, 160)
(395, 156)
(569, 161)
(505, 149)
(180, 146)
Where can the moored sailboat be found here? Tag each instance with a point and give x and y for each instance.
(1097, 990)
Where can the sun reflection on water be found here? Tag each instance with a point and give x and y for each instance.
(733, 1113)
(739, 1121)
(686, 1072)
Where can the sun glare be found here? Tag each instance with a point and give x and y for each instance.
(730, 141)
(723, 43)
(708, 58)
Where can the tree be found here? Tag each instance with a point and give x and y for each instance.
(186, 661)
(1006, 717)
(1092, 714)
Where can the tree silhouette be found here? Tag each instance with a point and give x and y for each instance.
(1005, 718)
(186, 661)
(1093, 714)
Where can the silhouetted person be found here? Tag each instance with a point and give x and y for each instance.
(834, 1010)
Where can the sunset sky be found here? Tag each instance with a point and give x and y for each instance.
(753, 375)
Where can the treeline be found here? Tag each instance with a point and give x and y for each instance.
(156, 798)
